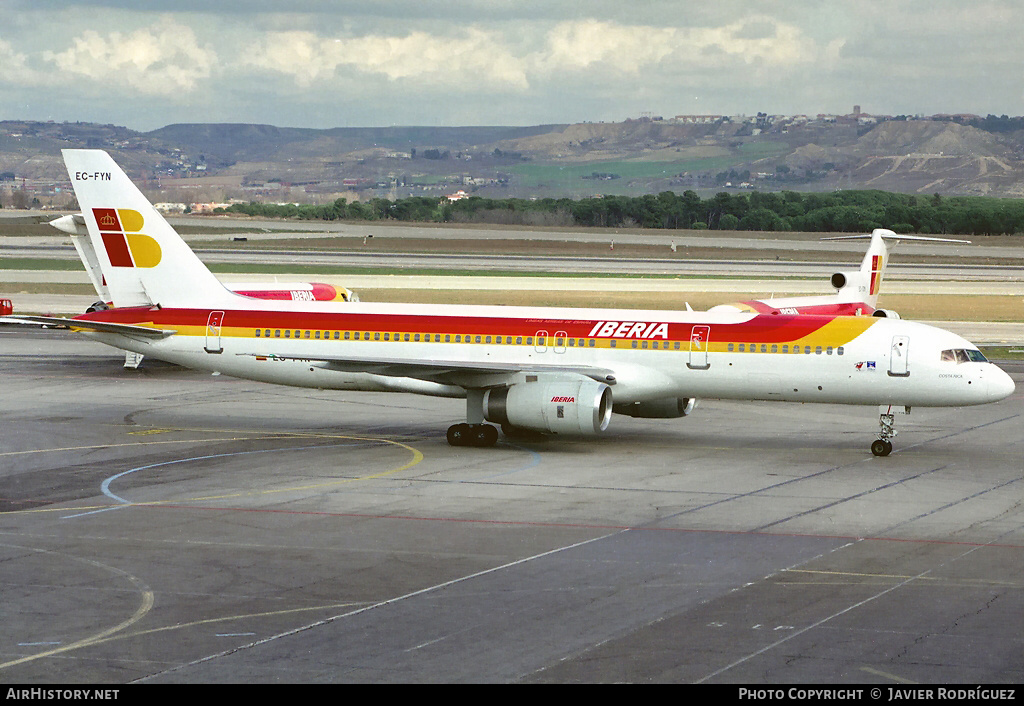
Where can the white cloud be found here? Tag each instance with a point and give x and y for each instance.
(581, 45)
(629, 49)
(17, 69)
(474, 59)
(161, 60)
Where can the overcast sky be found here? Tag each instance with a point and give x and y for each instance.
(318, 63)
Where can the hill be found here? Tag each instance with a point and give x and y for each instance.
(195, 162)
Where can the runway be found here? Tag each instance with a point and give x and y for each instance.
(456, 263)
(167, 526)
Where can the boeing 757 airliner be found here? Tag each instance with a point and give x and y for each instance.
(551, 370)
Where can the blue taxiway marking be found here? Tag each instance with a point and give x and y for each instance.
(105, 485)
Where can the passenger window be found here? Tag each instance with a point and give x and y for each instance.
(257, 333)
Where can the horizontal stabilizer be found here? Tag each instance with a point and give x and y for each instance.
(883, 233)
(98, 326)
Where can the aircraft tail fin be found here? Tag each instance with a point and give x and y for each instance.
(143, 261)
(865, 284)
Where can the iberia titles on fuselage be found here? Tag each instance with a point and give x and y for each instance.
(553, 370)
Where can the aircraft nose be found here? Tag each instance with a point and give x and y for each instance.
(1000, 385)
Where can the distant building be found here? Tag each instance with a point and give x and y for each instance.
(167, 207)
(207, 207)
(698, 119)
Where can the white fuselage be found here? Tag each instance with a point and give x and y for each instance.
(848, 360)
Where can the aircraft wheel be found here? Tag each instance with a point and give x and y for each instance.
(459, 435)
(881, 447)
(485, 435)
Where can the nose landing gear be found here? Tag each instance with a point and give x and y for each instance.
(882, 446)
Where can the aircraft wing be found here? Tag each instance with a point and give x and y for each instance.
(461, 373)
(98, 326)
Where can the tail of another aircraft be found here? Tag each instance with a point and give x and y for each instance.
(143, 261)
(864, 284)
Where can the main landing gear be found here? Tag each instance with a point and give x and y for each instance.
(887, 421)
(472, 435)
(474, 432)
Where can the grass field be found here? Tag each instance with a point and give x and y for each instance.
(918, 306)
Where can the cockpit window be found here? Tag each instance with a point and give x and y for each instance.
(963, 355)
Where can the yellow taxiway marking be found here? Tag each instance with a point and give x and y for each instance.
(145, 606)
(145, 443)
(903, 577)
(417, 457)
(108, 635)
(886, 675)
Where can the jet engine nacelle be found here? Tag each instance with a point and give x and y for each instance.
(666, 408)
(841, 279)
(573, 407)
(886, 314)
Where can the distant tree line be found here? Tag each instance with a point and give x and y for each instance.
(840, 211)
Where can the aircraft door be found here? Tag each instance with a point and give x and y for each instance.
(699, 338)
(898, 357)
(213, 326)
(559, 341)
(541, 342)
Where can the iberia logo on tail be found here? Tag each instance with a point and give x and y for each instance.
(125, 245)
